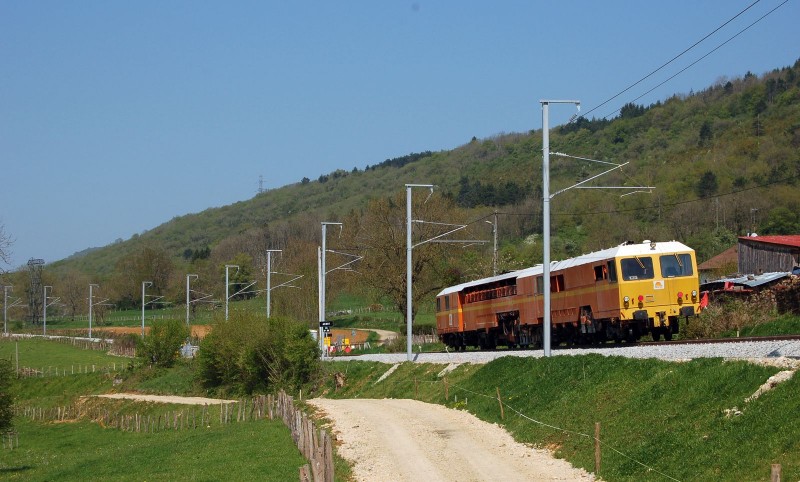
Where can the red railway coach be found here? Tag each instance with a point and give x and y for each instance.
(619, 293)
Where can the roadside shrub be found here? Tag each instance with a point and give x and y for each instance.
(730, 317)
(250, 354)
(160, 347)
(397, 344)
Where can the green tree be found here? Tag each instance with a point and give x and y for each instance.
(160, 347)
(250, 353)
(782, 220)
(631, 110)
(705, 133)
(707, 185)
(238, 279)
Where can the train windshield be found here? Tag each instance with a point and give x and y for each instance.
(637, 268)
(675, 265)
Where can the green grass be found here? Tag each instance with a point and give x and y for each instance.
(81, 449)
(668, 416)
(783, 325)
(50, 354)
(179, 380)
(85, 451)
(129, 318)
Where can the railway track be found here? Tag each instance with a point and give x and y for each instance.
(771, 347)
(699, 341)
(719, 340)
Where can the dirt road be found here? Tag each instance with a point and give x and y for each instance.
(404, 440)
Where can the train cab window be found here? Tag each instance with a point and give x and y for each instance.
(600, 272)
(676, 265)
(438, 305)
(539, 285)
(637, 268)
(557, 283)
(447, 302)
(612, 271)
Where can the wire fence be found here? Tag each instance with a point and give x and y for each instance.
(112, 318)
(124, 350)
(118, 346)
(75, 369)
(503, 406)
(192, 417)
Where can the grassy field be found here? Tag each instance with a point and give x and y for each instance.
(86, 451)
(46, 355)
(659, 420)
(81, 448)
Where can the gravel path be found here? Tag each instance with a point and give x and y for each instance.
(736, 350)
(167, 399)
(385, 335)
(401, 440)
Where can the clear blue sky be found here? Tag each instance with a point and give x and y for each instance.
(118, 116)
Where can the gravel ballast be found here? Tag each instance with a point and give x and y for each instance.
(783, 349)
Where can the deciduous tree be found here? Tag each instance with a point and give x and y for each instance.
(150, 263)
(381, 232)
(5, 248)
(73, 286)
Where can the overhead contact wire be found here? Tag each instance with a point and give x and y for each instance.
(672, 59)
(701, 58)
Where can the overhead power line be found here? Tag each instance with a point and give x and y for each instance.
(701, 58)
(670, 61)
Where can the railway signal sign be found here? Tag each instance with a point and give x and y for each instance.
(326, 324)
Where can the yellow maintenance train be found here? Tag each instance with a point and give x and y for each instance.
(621, 293)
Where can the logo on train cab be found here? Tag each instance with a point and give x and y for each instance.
(658, 284)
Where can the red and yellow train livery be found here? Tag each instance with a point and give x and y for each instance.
(622, 293)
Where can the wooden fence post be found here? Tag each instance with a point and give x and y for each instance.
(328, 458)
(500, 401)
(446, 390)
(270, 406)
(775, 476)
(597, 448)
(305, 474)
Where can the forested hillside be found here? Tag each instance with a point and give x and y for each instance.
(723, 161)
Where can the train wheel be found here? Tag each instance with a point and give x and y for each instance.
(656, 334)
(668, 335)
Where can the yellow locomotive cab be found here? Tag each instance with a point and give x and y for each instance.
(658, 287)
